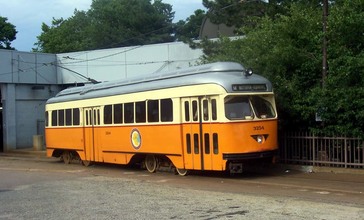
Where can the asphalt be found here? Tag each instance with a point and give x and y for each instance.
(28, 152)
(41, 154)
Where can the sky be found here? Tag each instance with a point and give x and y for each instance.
(28, 15)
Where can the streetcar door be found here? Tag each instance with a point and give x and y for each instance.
(208, 116)
(192, 142)
(91, 119)
(199, 133)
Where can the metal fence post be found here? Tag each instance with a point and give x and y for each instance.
(346, 152)
(313, 150)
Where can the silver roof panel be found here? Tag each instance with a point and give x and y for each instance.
(222, 73)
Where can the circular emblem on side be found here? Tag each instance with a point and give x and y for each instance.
(136, 139)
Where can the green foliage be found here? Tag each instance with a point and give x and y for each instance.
(342, 99)
(287, 48)
(109, 23)
(234, 12)
(68, 35)
(7, 34)
(130, 22)
(190, 29)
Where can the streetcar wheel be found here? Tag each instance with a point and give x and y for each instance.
(151, 163)
(181, 172)
(86, 163)
(66, 156)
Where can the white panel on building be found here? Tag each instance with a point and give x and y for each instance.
(120, 63)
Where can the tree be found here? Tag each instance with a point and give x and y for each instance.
(7, 34)
(109, 23)
(190, 29)
(72, 34)
(130, 22)
(234, 12)
(342, 103)
(287, 49)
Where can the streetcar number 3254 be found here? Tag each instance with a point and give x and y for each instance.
(258, 128)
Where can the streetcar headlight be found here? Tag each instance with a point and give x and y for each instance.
(260, 138)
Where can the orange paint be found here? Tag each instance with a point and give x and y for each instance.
(113, 144)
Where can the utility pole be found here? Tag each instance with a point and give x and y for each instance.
(324, 44)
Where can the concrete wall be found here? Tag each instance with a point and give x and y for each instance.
(27, 80)
(23, 113)
(25, 67)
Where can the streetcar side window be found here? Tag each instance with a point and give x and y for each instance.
(118, 113)
(166, 110)
(54, 118)
(107, 114)
(76, 116)
(215, 142)
(61, 117)
(213, 109)
(96, 117)
(194, 110)
(68, 117)
(140, 112)
(188, 142)
(187, 111)
(205, 108)
(129, 112)
(153, 111)
(196, 143)
(46, 119)
(207, 143)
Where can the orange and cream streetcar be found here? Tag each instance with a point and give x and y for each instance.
(210, 117)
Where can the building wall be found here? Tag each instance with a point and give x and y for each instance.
(126, 62)
(27, 80)
(26, 67)
(23, 113)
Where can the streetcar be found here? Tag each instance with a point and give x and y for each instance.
(212, 117)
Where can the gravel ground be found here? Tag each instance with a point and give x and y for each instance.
(100, 197)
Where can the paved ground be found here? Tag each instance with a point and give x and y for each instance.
(34, 187)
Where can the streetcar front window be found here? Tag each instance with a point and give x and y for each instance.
(248, 108)
(238, 107)
(262, 108)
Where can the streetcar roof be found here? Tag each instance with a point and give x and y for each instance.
(224, 74)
